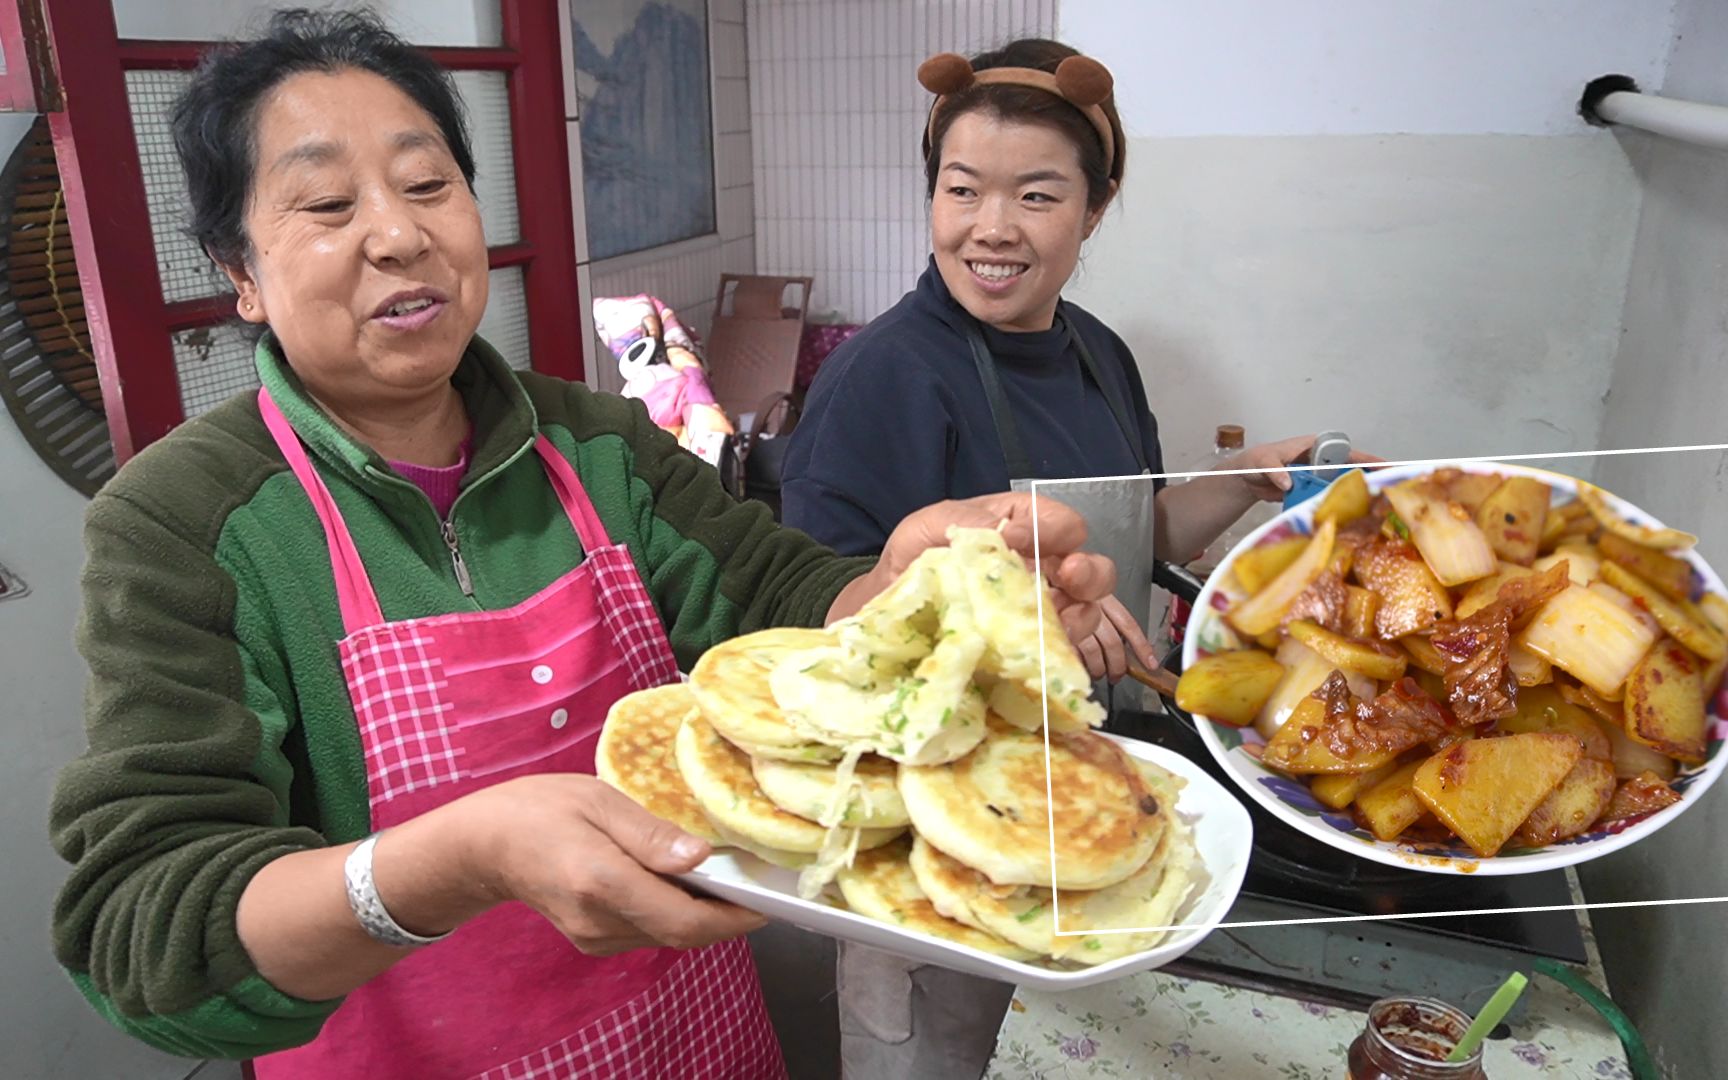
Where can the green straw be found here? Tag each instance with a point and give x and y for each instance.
(1490, 1016)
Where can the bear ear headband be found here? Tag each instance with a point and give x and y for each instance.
(1079, 80)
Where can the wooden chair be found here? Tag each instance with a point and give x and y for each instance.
(752, 357)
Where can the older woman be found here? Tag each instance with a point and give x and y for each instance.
(352, 639)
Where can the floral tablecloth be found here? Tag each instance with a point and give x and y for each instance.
(1156, 1025)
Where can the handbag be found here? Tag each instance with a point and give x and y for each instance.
(763, 452)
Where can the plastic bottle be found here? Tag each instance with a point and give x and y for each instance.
(1227, 443)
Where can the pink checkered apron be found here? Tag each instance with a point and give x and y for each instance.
(450, 704)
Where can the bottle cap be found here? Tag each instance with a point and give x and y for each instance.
(1229, 437)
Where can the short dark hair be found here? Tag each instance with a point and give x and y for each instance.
(1028, 105)
(215, 120)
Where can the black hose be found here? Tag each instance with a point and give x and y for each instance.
(1637, 1054)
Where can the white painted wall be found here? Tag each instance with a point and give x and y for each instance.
(1341, 213)
(1670, 387)
(47, 1032)
(1359, 67)
(1430, 295)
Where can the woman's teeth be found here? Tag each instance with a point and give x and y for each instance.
(997, 271)
(408, 307)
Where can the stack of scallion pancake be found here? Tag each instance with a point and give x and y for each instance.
(897, 760)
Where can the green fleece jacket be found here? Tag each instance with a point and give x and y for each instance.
(221, 735)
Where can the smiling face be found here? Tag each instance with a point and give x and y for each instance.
(1007, 218)
(367, 256)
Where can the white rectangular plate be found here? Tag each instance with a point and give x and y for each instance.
(1222, 833)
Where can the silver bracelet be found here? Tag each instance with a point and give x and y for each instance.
(368, 907)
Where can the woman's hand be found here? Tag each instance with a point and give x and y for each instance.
(1116, 643)
(1079, 580)
(1270, 486)
(1191, 516)
(568, 846)
(591, 861)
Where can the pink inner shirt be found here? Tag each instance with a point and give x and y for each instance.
(440, 483)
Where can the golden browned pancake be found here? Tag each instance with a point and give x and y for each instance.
(991, 809)
(791, 860)
(731, 685)
(720, 777)
(880, 885)
(635, 756)
(1097, 925)
(808, 790)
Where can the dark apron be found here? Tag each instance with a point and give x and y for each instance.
(1118, 512)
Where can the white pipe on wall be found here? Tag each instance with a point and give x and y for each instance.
(1615, 99)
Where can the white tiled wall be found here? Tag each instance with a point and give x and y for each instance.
(686, 274)
(836, 114)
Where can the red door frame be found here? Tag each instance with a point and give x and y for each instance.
(130, 324)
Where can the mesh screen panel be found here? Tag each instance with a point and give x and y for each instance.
(214, 362)
(186, 272)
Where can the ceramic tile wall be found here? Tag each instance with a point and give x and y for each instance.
(836, 114)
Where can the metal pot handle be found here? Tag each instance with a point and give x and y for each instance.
(1184, 584)
(1178, 581)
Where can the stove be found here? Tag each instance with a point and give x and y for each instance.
(1460, 959)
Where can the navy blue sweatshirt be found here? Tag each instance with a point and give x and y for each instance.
(897, 418)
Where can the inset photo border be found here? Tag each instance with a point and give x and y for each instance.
(1694, 498)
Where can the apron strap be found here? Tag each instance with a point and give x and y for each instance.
(353, 588)
(571, 495)
(1002, 413)
(1112, 397)
(354, 591)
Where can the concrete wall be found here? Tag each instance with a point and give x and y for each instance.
(1670, 387)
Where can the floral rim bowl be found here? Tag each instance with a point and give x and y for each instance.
(1237, 749)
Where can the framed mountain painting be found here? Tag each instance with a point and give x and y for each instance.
(643, 87)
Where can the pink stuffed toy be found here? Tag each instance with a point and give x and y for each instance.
(661, 367)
